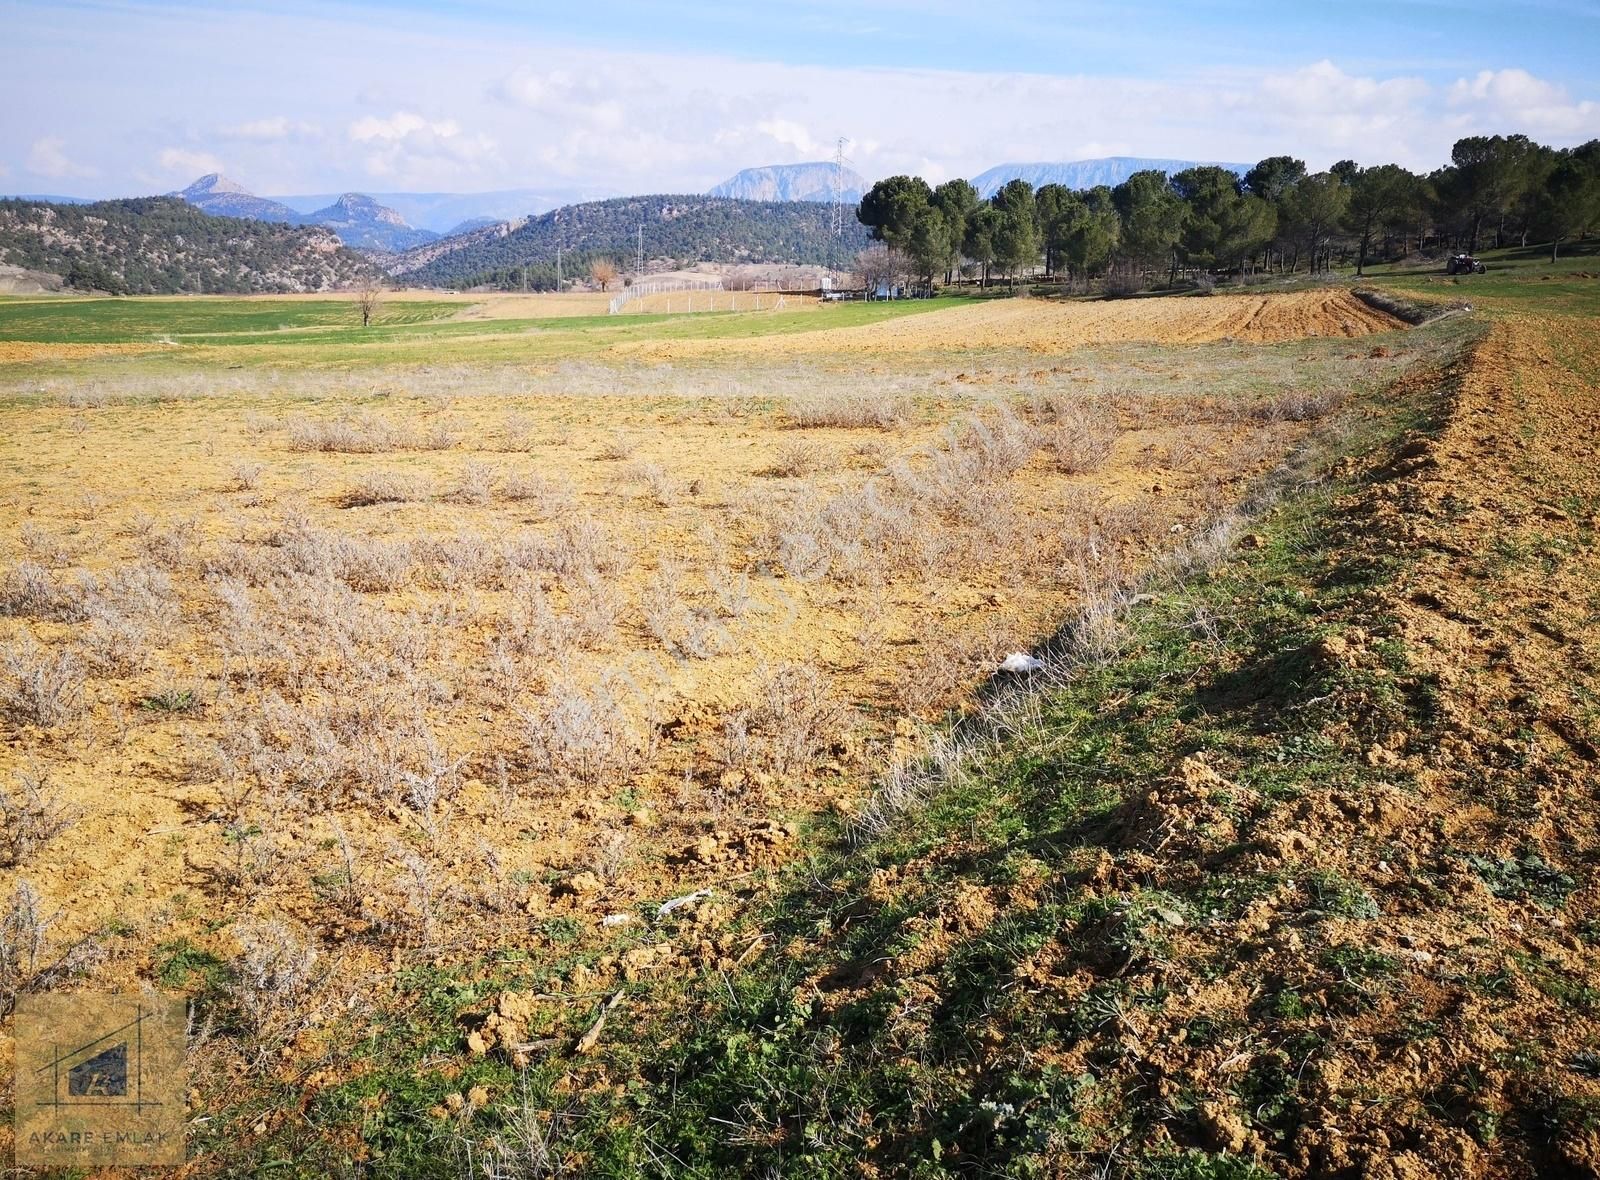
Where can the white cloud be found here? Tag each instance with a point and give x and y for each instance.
(48, 157)
(400, 126)
(269, 130)
(790, 134)
(183, 162)
(408, 148)
(1514, 100)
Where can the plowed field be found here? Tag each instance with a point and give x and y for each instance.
(1060, 327)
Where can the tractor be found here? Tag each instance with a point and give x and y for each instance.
(1463, 264)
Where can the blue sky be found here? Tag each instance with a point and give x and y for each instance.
(119, 96)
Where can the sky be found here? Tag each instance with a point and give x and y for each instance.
(580, 100)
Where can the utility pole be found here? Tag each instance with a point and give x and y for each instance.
(639, 267)
(558, 269)
(838, 187)
(838, 202)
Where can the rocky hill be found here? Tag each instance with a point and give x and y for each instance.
(165, 246)
(790, 182)
(682, 228)
(222, 197)
(363, 224)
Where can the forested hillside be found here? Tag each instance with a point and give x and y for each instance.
(682, 229)
(164, 246)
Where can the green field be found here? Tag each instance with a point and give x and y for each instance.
(205, 332)
(1517, 278)
(61, 320)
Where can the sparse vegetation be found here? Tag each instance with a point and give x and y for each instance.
(582, 653)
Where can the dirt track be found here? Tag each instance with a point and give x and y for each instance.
(1059, 327)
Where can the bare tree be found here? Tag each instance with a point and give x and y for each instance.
(603, 271)
(368, 299)
(877, 266)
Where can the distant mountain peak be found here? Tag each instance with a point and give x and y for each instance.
(790, 182)
(1082, 174)
(368, 225)
(217, 184)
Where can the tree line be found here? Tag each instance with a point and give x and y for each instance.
(1277, 216)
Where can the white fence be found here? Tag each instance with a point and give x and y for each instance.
(709, 295)
(640, 290)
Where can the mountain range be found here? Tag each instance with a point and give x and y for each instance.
(1081, 174)
(361, 222)
(791, 182)
(446, 213)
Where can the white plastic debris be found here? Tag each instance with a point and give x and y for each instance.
(616, 920)
(678, 902)
(1019, 661)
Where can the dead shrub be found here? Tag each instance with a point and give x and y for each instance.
(846, 411)
(115, 644)
(26, 961)
(1296, 406)
(582, 545)
(1081, 437)
(544, 496)
(435, 782)
(363, 434)
(594, 609)
(619, 446)
(661, 488)
(660, 607)
(28, 590)
(475, 484)
(45, 546)
(797, 459)
(795, 718)
(272, 980)
(731, 589)
(366, 434)
(32, 813)
(586, 737)
(247, 475)
(383, 487)
(516, 434)
(40, 686)
(374, 566)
